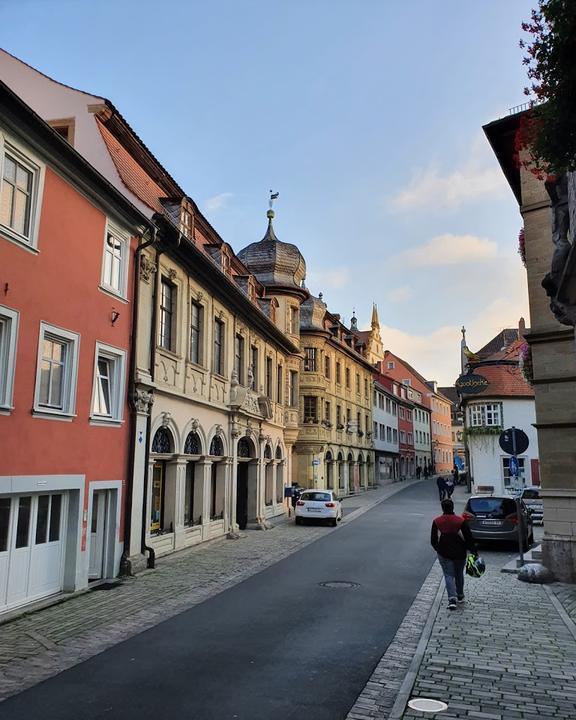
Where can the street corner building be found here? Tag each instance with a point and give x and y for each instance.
(547, 247)
(67, 244)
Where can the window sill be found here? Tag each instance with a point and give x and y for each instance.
(6, 409)
(168, 353)
(197, 366)
(217, 375)
(18, 240)
(52, 415)
(105, 422)
(113, 293)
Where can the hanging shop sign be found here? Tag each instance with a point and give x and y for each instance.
(471, 384)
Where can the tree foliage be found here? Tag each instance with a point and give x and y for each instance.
(549, 131)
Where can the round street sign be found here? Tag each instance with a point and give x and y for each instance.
(507, 441)
(471, 384)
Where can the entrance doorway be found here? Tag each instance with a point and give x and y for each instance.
(99, 534)
(242, 495)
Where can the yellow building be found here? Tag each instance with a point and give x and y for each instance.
(334, 447)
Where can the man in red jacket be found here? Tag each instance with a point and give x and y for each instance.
(451, 538)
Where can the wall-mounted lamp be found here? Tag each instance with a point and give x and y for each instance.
(114, 315)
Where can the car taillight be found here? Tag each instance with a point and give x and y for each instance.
(330, 504)
(300, 502)
(513, 519)
(468, 516)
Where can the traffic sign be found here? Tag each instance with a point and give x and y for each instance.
(514, 441)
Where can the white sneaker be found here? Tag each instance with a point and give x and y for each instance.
(452, 604)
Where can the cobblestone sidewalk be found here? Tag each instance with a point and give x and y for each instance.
(43, 643)
(506, 654)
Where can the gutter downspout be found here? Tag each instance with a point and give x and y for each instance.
(124, 563)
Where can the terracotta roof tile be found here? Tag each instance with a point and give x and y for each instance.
(132, 175)
(505, 380)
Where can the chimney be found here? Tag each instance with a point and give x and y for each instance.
(521, 328)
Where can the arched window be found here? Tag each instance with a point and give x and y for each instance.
(244, 448)
(192, 446)
(268, 452)
(163, 442)
(329, 457)
(278, 453)
(216, 446)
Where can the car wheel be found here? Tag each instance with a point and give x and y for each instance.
(334, 522)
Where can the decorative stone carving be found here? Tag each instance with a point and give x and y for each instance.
(235, 430)
(147, 268)
(166, 417)
(218, 430)
(142, 400)
(560, 282)
(172, 274)
(195, 424)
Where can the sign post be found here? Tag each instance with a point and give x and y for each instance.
(514, 441)
(514, 471)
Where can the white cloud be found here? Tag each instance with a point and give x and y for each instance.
(476, 179)
(218, 201)
(399, 294)
(450, 249)
(330, 278)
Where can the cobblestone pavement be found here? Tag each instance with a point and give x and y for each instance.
(505, 654)
(567, 596)
(38, 645)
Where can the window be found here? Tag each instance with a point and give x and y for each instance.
(310, 409)
(348, 418)
(186, 223)
(196, 332)
(506, 471)
(166, 334)
(57, 371)
(394, 408)
(20, 189)
(279, 383)
(375, 429)
(338, 415)
(157, 499)
(239, 358)
(486, 415)
(64, 128)
(390, 366)
(269, 384)
(389, 434)
(293, 322)
(115, 265)
(402, 415)
(192, 496)
(254, 366)
(388, 405)
(358, 383)
(366, 387)
(366, 422)
(338, 373)
(327, 412)
(395, 435)
(108, 393)
(310, 359)
(409, 415)
(406, 382)
(347, 376)
(402, 436)
(410, 439)
(293, 388)
(8, 335)
(327, 366)
(218, 353)
(358, 422)
(48, 519)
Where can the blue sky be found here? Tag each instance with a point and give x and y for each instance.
(366, 116)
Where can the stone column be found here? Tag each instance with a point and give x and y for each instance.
(142, 400)
(179, 497)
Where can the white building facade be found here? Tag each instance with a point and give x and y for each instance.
(385, 434)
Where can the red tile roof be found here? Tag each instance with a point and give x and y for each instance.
(504, 380)
(132, 175)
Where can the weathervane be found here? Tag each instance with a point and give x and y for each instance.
(273, 196)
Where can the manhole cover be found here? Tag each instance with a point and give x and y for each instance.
(339, 584)
(427, 705)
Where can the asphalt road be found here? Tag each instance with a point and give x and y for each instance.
(277, 646)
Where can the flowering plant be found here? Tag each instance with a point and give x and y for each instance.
(522, 246)
(526, 367)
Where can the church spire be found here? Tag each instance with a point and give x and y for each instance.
(375, 321)
(270, 234)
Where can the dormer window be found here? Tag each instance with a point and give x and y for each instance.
(64, 128)
(225, 262)
(186, 223)
(251, 289)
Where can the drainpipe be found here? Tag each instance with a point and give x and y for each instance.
(124, 566)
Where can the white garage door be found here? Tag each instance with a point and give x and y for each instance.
(32, 536)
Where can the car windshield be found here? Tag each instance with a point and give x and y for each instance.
(320, 496)
(496, 507)
(531, 494)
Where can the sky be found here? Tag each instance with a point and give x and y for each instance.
(365, 115)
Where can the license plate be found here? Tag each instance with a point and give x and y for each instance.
(314, 510)
(491, 522)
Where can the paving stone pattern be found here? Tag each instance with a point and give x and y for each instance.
(505, 654)
(41, 644)
(567, 596)
(377, 698)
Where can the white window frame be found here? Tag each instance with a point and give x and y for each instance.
(72, 340)
(8, 342)
(478, 414)
(124, 238)
(22, 155)
(117, 358)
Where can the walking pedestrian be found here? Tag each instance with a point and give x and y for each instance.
(426, 471)
(456, 475)
(451, 538)
(449, 484)
(418, 472)
(441, 487)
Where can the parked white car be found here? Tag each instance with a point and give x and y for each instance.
(318, 505)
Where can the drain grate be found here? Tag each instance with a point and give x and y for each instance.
(106, 586)
(339, 585)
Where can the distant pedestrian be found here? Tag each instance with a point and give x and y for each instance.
(449, 485)
(456, 475)
(296, 492)
(425, 471)
(418, 472)
(441, 487)
(450, 536)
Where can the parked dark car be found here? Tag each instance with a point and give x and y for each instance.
(531, 498)
(494, 517)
